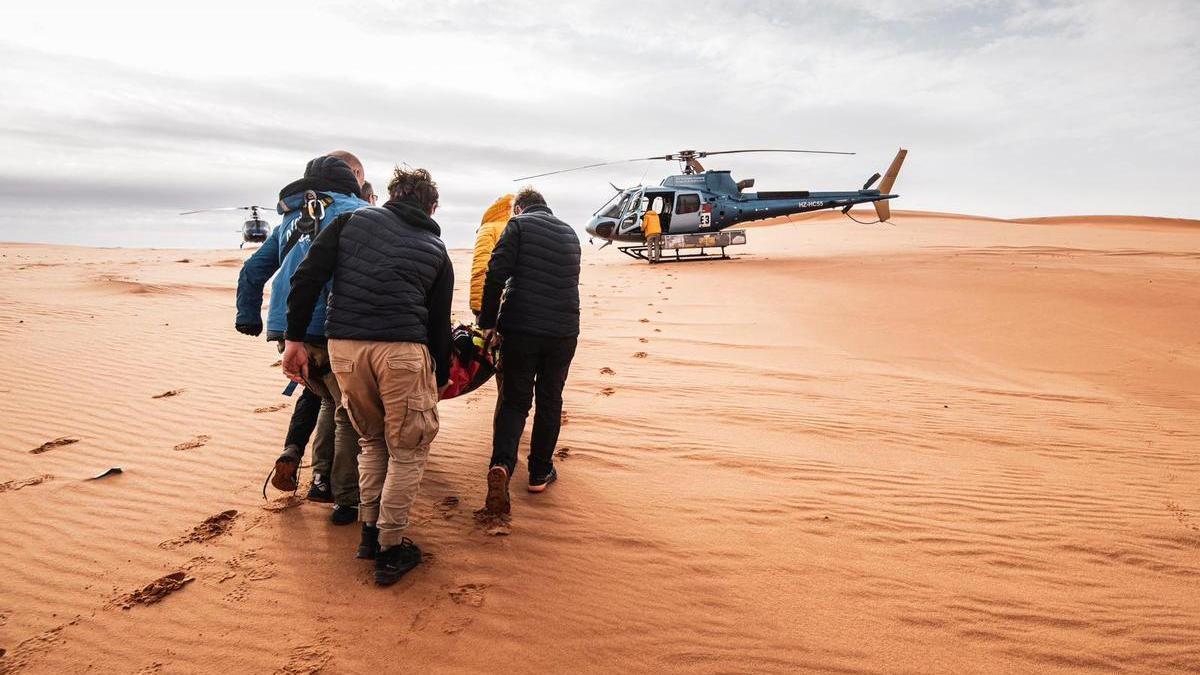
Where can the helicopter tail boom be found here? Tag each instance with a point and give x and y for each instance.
(882, 208)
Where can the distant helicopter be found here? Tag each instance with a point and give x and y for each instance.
(698, 204)
(254, 231)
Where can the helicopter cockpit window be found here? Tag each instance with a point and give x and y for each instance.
(615, 206)
(687, 204)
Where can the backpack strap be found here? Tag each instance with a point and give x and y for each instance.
(323, 201)
(291, 243)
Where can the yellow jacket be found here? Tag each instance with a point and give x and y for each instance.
(490, 229)
(650, 225)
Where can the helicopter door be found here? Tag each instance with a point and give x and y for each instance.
(631, 221)
(687, 213)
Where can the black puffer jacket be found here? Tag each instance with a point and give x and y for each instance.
(535, 266)
(392, 281)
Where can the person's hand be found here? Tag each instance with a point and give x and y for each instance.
(295, 361)
(249, 328)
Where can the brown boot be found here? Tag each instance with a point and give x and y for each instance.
(497, 501)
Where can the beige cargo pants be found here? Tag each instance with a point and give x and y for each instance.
(391, 395)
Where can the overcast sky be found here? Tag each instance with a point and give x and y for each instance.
(116, 115)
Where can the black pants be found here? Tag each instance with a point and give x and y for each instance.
(304, 420)
(533, 366)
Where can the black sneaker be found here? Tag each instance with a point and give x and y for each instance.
(320, 490)
(394, 562)
(368, 548)
(287, 469)
(343, 515)
(497, 501)
(540, 483)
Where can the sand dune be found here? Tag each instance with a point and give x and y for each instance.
(948, 445)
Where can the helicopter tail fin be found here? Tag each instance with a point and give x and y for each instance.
(882, 208)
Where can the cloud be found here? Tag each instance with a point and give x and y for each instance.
(1008, 108)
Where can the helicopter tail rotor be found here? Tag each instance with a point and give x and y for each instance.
(882, 208)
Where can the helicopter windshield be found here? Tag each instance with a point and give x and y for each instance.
(616, 206)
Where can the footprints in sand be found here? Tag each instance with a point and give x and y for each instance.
(643, 320)
(243, 568)
(283, 503)
(495, 525)
(607, 371)
(14, 485)
(640, 355)
(270, 408)
(169, 393)
(608, 391)
(562, 453)
(1184, 517)
(447, 506)
(308, 659)
(250, 566)
(56, 443)
(198, 441)
(211, 527)
(470, 595)
(643, 340)
(277, 364)
(28, 649)
(155, 591)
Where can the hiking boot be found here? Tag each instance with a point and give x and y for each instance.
(394, 562)
(343, 515)
(540, 483)
(285, 478)
(320, 490)
(368, 548)
(497, 501)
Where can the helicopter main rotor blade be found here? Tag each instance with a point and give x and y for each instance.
(682, 155)
(229, 208)
(592, 166)
(810, 152)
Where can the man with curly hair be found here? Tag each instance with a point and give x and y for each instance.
(388, 325)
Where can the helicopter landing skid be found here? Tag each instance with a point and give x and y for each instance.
(641, 253)
(683, 247)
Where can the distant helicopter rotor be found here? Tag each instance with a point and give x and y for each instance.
(688, 159)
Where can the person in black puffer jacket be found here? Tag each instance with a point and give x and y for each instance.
(388, 324)
(531, 298)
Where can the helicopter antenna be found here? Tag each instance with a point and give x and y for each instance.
(687, 158)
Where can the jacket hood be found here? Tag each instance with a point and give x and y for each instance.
(325, 174)
(500, 210)
(413, 216)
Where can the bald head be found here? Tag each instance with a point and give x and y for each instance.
(354, 163)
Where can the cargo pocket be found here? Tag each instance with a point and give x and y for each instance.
(341, 365)
(421, 422)
(409, 363)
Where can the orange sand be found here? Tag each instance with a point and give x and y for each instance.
(945, 445)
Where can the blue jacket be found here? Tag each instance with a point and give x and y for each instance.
(267, 262)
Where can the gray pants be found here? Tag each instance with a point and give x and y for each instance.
(335, 443)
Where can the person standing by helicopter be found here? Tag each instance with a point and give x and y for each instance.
(331, 185)
(531, 299)
(652, 230)
(490, 228)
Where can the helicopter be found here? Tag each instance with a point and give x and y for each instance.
(254, 231)
(697, 205)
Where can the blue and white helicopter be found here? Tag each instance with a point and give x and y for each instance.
(698, 203)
